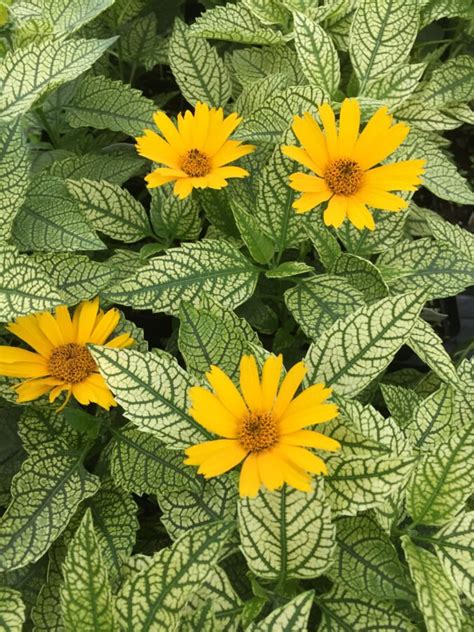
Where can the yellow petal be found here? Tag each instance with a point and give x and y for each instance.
(349, 122)
(154, 180)
(231, 172)
(376, 127)
(201, 125)
(300, 155)
(26, 328)
(307, 183)
(271, 373)
(359, 215)
(50, 328)
(397, 176)
(250, 382)
(315, 415)
(32, 389)
(384, 146)
(153, 147)
(311, 396)
(336, 211)
(122, 341)
(381, 199)
(14, 355)
(231, 150)
(308, 132)
(223, 461)
(304, 459)
(86, 320)
(328, 120)
(309, 201)
(57, 390)
(310, 439)
(292, 474)
(288, 388)
(196, 454)
(105, 325)
(220, 132)
(169, 131)
(208, 411)
(63, 318)
(249, 483)
(183, 187)
(227, 392)
(269, 470)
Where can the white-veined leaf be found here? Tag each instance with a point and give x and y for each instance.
(139, 42)
(356, 483)
(382, 34)
(268, 11)
(362, 274)
(154, 599)
(199, 71)
(317, 302)
(260, 245)
(50, 220)
(14, 174)
(184, 273)
(256, 94)
(235, 23)
(114, 167)
(454, 548)
(344, 611)
(367, 562)
(401, 402)
(425, 264)
(417, 114)
(390, 230)
(152, 390)
(24, 286)
(28, 72)
(86, 596)
(292, 616)
(66, 16)
(41, 424)
(428, 346)
(251, 64)
(356, 349)
(209, 334)
(110, 209)
(287, 533)
(317, 54)
(324, 242)
(105, 104)
(458, 238)
(396, 86)
(442, 480)
(12, 610)
(76, 276)
(437, 596)
(435, 9)
(173, 218)
(451, 82)
(45, 495)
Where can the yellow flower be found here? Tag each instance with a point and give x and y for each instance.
(265, 426)
(196, 153)
(60, 360)
(343, 165)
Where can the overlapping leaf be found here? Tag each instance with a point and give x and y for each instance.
(455, 550)
(293, 615)
(12, 610)
(14, 174)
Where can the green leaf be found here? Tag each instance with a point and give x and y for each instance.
(184, 273)
(11, 453)
(397, 85)
(41, 424)
(344, 611)
(382, 34)
(453, 546)
(24, 286)
(173, 218)
(51, 220)
(268, 11)
(139, 42)
(226, 604)
(292, 616)
(324, 242)
(86, 596)
(114, 513)
(210, 334)
(362, 274)
(435, 9)
(114, 167)
(317, 54)
(259, 244)
(367, 562)
(66, 16)
(356, 483)
(154, 598)
(105, 104)
(235, 23)
(252, 64)
(451, 82)
(199, 71)
(76, 276)
(428, 346)
(316, 303)
(390, 229)
(401, 402)
(442, 480)
(152, 390)
(289, 269)
(28, 72)
(424, 264)
(437, 597)
(256, 94)
(46, 493)
(287, 533)
(456, 237)
(418, 114)
(110, 209)
(356, 349)
(14, 174)
(12, 610)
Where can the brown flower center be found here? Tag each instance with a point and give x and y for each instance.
(195, 163)
(258, 432)
(343, 176)
(71, 363)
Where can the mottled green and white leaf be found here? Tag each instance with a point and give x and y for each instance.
(12, 610)
(454, 547)
(293, 615)
(14, 174)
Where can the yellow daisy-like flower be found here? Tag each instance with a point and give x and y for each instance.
(343, 165)
(265, 425)
(60, 360)
(196, 153)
